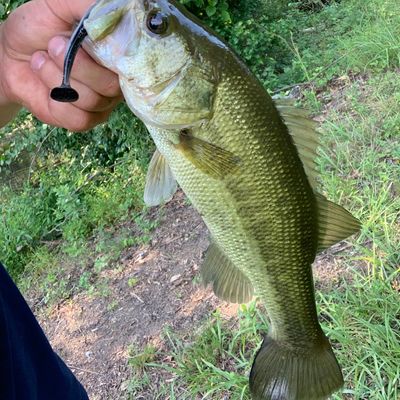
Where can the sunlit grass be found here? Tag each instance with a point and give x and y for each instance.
(360, 167)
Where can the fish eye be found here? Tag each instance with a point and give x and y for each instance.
(157, 22)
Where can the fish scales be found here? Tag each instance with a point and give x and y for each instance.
(247, 164)
(253, 220)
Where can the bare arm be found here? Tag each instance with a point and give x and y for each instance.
(32, 45)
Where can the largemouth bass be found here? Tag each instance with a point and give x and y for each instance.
(246, 163)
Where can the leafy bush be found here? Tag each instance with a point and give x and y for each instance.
(81, 182)
(216, 10)
(67, 202)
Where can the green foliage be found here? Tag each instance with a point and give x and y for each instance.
(25, 218)
(217, 11)
(6, 6)
(80, 182)
(259, 43)
(45, 276)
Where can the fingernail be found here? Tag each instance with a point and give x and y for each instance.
(57, 46)
(37, 61)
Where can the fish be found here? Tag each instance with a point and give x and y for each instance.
(247, 163)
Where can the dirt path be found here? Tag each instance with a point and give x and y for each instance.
(153, 289)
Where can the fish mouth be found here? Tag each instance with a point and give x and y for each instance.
(112, 28)
(105, 16)
(98, 22)
(115, 29)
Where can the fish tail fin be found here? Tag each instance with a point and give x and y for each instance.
(280, 373)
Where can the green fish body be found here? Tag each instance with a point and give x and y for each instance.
(247, 164)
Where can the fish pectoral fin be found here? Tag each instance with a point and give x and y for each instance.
(228, 282)
(305, 137)
(160, 182)
(208, 158)
(334, 223)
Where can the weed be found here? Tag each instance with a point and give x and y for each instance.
(85, 281)
(101, 263)
(113, 305)
(132, 282)
(359, 165)
(138, 359)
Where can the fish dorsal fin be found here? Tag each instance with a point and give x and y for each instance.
(335, 223)
(303, 131)
(207, 157)
(160, 182)
(228, 282)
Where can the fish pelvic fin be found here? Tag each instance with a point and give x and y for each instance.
(281, 373)
(160, 182)
(207, 157)
(228, 282)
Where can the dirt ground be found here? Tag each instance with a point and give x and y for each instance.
(152, 290)
(155, 286)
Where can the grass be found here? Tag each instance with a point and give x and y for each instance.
(79, 184)
(361, 320)
(374, 42)
(55, 273)
(359, 160)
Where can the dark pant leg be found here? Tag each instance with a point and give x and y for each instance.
(29, 368)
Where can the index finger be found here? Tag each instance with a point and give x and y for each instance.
(69, 11)
(33, 24)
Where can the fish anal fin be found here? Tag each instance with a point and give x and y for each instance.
(303, 131)
(228, 282)
(335, 223)
(282, 373)
(210, 159)
(160, 182)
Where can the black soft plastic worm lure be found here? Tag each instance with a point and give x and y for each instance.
(65, 93)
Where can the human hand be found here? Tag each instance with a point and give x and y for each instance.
(32, 45)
